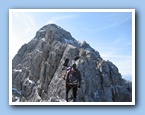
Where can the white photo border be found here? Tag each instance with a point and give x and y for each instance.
(72, 10)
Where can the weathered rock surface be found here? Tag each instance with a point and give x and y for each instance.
(37, 73)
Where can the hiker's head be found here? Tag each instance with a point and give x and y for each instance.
(74, 66)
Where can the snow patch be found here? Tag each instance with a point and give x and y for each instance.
(17, 99)
(17, 70)
(69, 41)
(15, 91)
(62, 100)
(42, 30)
(89, 49)
(43, 39)
(31, 82)
(37, 50)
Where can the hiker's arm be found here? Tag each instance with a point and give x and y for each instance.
(67, 74)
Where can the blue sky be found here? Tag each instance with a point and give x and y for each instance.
(110, 33)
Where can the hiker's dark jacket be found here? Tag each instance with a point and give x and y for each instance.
(77, 73)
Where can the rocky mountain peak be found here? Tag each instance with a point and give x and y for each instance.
(58, 34)
(38, 71)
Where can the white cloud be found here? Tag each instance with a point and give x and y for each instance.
(56, 19)
(113, 54)
(122, 61)
(23, 30)
(127, 77)
(23, 26)
(110, 21)
(116, 20)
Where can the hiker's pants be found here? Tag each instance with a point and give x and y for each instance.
(74, 89)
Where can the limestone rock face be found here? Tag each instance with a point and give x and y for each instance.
(38, 72)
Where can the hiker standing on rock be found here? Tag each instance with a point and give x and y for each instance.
(73, 80)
